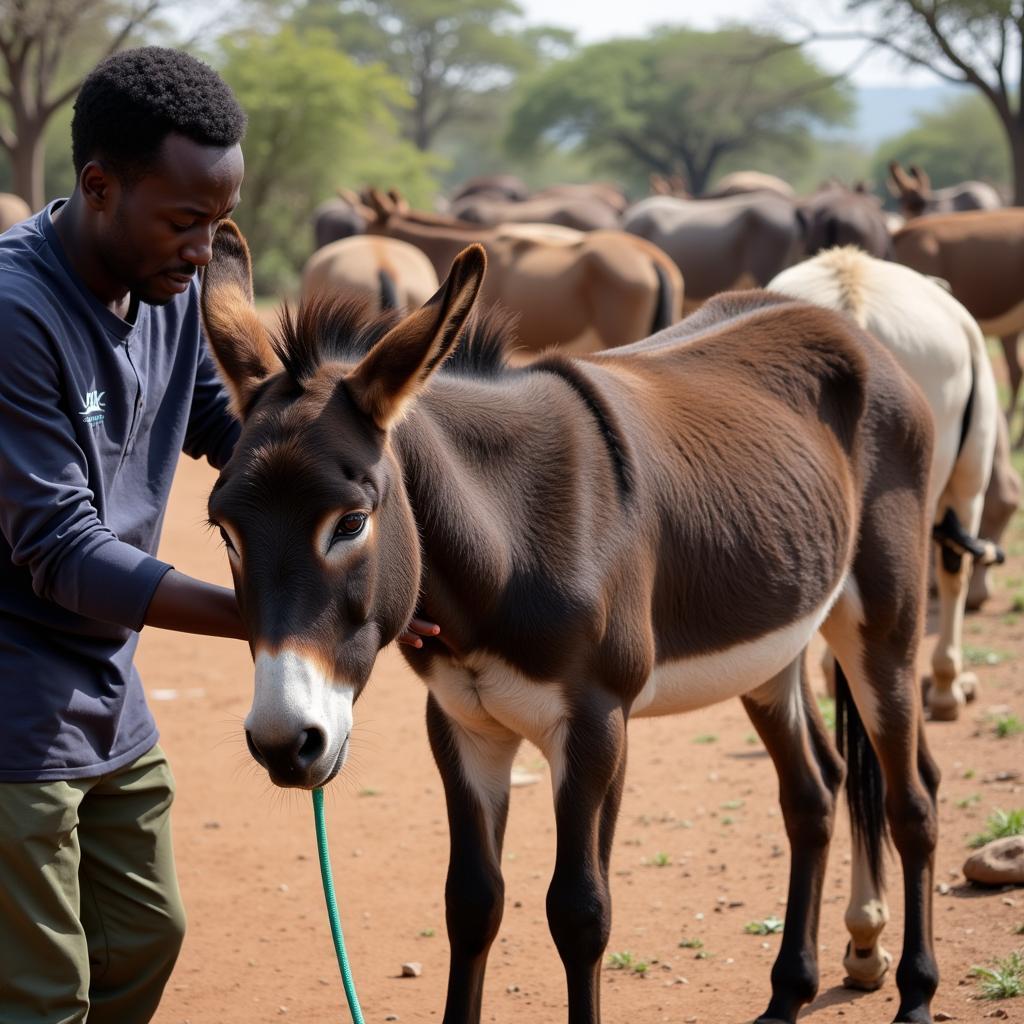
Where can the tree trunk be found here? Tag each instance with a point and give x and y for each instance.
(1016, 134)
(27, 162)
(699, 175)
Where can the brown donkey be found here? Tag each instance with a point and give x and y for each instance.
(638, 532)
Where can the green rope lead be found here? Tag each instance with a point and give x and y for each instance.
(332, 907)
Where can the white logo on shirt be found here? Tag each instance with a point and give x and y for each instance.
(92, 407)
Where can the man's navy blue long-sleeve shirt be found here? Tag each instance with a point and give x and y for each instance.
(94, 412)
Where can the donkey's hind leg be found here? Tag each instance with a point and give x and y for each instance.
(587, 797)
(960, 506)
(885, 718)
(476, 769)
(810, 773)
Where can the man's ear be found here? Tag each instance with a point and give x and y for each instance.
(239, 340)
(397, 368)
(95, 184)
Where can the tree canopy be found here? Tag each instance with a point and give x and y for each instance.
(317, 120)
(979, 43)
(679, 101)
(453, 55)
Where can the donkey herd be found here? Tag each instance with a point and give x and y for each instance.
(613, 511)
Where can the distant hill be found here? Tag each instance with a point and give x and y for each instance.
(884, 111)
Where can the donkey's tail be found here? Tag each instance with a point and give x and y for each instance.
(388, 290)
(865, 788)
(664, 308)
(974, 463)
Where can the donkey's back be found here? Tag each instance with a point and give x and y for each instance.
(761, 430)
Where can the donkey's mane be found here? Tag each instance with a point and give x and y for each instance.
(329, 328)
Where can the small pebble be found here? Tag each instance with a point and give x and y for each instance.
(412, 969)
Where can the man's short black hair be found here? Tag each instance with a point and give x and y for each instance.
(130, 102)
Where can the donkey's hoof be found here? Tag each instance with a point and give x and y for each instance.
(944, 704)
(866, 969)
(978, 591)
(969, 684)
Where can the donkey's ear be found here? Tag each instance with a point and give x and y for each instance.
(899, 176)
(381, 204)
(924, 183)
(397, 368)
(240, 342)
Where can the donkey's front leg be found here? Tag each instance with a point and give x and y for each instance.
(588, 787)
(810, 773)
(475, 768)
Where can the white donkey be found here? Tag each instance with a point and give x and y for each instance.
(941, 347)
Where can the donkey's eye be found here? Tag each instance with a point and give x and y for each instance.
(349, 526)
(224, 536)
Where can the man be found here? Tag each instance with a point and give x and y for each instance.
(104, 380)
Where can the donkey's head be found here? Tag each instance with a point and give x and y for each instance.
(913, 190)
(320, 535)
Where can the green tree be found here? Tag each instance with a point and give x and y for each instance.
(453, 55)
(317, 120)
(680, 101)
(962, 142)
(979, 43)
(46, 47)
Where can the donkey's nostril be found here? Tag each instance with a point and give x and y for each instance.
(254, 749)
(310, 746)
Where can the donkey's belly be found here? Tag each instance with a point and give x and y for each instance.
(685, 684)
(484, 693)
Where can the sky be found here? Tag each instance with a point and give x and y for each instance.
(594, 20)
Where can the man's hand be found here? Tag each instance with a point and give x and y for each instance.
(416, 629)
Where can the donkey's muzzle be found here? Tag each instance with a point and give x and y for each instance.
(290, 763)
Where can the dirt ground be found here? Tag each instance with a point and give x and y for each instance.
(700, 849)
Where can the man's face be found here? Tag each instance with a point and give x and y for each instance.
(159, 228)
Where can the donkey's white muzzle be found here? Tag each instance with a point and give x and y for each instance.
(300, 720)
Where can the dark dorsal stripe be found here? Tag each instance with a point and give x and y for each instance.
(388, 290)
(607, 423)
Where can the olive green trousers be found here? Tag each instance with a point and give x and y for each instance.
(91, 919)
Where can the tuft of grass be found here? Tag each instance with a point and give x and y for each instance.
(706, 737)
(1005, 726)
(1004, 979)
(969, 773)
(426, 933)
(1019, 930)
(975, 655)
(369, 791)
(1018, 603)
(968, 801)
(626, 961)
(1000, 825)
(691, 943)
(769, 926)
(827, 707)
(731, 805)
(661, 859)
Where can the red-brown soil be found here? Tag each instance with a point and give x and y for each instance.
(701, 793)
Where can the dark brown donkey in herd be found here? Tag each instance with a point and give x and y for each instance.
(638, 532)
